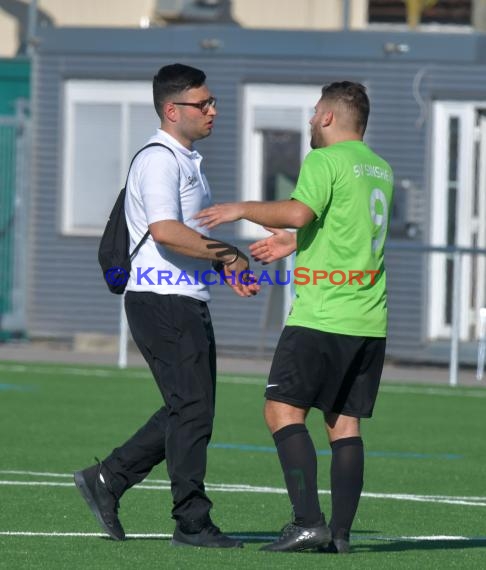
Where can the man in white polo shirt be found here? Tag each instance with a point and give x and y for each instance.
(168, 316)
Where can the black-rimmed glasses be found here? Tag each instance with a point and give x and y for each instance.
(203, 106)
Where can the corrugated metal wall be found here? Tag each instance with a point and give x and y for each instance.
(67, 295)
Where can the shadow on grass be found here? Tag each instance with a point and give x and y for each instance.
(369, 541)
(269, 536)
(255, 537)
(359, 544)
(419, 545)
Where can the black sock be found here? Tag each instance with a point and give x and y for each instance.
(347, 466)
(299, 464)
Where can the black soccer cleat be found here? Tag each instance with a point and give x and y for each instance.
(103, 504)
(208, 536)
(296, 538)
(337, 546)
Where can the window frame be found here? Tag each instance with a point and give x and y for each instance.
(95, 91)
(424, 21)
(465, 112)
(271, 95)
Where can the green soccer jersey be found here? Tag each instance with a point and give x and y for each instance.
(339, 274)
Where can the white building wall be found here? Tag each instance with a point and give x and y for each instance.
(271, 14)
(98, 13)
(79, 13)
(8, 35)
(301, 14)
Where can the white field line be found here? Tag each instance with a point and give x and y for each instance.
(72, 371)
(35, 473)
(230, 379)
(428, 391)
(355, 538)
(78, 534)
(100, 372)
(164, 485)
(88, 371)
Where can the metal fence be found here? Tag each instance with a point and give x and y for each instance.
(454, 299)
(14, 181)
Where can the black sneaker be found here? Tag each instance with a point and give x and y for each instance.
(295, 538)
(209, 536)
(100, 500)
(337, 546)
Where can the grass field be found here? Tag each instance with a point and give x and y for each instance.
(424, 502)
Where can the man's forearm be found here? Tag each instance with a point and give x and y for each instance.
(267, 214)
(183, 240)
(280, 214)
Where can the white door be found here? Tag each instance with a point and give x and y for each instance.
(458, 210)
(478, 294)
(275, 140)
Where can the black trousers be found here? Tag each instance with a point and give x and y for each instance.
(175, 335)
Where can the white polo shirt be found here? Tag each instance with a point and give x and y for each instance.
(161, 187)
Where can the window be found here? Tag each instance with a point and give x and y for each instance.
(276, 136)
(455, 12)
(105, 123)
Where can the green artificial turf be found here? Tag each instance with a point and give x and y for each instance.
(425, 476)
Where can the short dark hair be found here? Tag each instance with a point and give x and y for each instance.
(172, 80)
(353, 97)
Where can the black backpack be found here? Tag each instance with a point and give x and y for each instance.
(114, 254)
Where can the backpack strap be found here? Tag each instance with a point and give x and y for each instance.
(144, 239)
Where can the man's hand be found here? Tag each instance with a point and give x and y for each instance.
(279, 245)
(219, 214)
(238, 279)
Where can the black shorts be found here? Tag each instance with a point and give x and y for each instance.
(333, 372)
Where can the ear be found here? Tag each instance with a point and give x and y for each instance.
(170, 112)
(327, 118)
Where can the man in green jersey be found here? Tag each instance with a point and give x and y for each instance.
(331, 351)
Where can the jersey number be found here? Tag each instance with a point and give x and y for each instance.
(379, 218)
